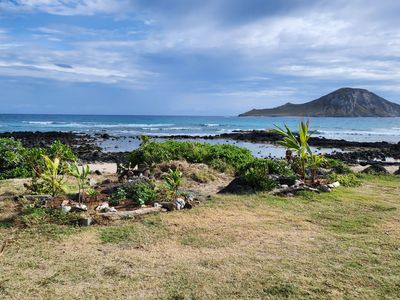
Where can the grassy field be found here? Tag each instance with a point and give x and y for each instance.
(341, 245)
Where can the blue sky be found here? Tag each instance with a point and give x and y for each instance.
(209, 57)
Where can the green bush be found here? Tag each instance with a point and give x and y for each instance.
(118, 196)
(348, 180)
(12, 159)
(17, 161)
(141, 192)
(336, 166)
(221, 157)
(255, 174)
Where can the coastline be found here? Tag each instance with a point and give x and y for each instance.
(88, 147)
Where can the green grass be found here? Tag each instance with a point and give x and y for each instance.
(135, 234)
(339, 245)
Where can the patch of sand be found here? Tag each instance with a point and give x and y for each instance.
(104, 167)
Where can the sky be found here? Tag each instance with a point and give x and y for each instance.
(181, 57)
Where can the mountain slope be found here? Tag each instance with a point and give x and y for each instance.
(345, 102)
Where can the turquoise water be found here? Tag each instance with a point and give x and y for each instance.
(355, 129)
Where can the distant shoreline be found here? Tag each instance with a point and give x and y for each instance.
(87, 146)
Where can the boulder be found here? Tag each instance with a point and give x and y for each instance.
(333, 185)
(375, 169)
(324, 188)
(180, 203)
(169, 206)
(236, 186)
(397, 172)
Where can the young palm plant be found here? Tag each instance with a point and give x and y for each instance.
(300, 145)
(82, 176)
(52, 175)
(172, 181)
(315, 161)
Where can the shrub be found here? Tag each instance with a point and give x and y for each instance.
(12, 159)
(267, 167)
(255, 174)
(348, 180)
(336, 166)
(118, 196)
(221, 157)
(16, 161)
(141, 192)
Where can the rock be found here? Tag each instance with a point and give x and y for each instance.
(92, 182)
(98, 172)
(169, 206)
(284, 186)
(236, 186)
(285, 180)
(85, 221)
(397, 172)
(298, 183)
(110, 209)
(79, 207)
(107, 181)
(157, 205)
(190, 204)
(375, 169)
(180, 203)
(324, 188)
(102, 206)
(66, 208)
(333, 185)
(132, 213)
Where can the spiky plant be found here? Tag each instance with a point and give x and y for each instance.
(299, 145)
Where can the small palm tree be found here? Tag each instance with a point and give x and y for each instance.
(52, 175)
(173, 180)
(82, 176)
(300, 145)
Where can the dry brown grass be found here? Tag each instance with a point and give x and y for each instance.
(331, 246)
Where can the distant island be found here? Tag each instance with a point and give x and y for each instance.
(344, 102)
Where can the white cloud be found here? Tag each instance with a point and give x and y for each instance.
(65, 7)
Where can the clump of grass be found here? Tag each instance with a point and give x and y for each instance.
(148, 230)
(201, 238)
(34, 216)
(281, 290)
(347, 180)
(203, 176)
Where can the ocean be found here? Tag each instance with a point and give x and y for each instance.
(354, 129)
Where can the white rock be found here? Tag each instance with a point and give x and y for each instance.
(157, 205)
(180, 203)
(92, 182)
(284, 186)
(102, 206)
(335, 184)
(66, 208)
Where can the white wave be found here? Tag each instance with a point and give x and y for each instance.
(378, 132)
(38, 122)
(211, 125)
(96, 125)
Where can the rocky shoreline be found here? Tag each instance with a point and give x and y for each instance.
(87, 147)
(355, 152)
